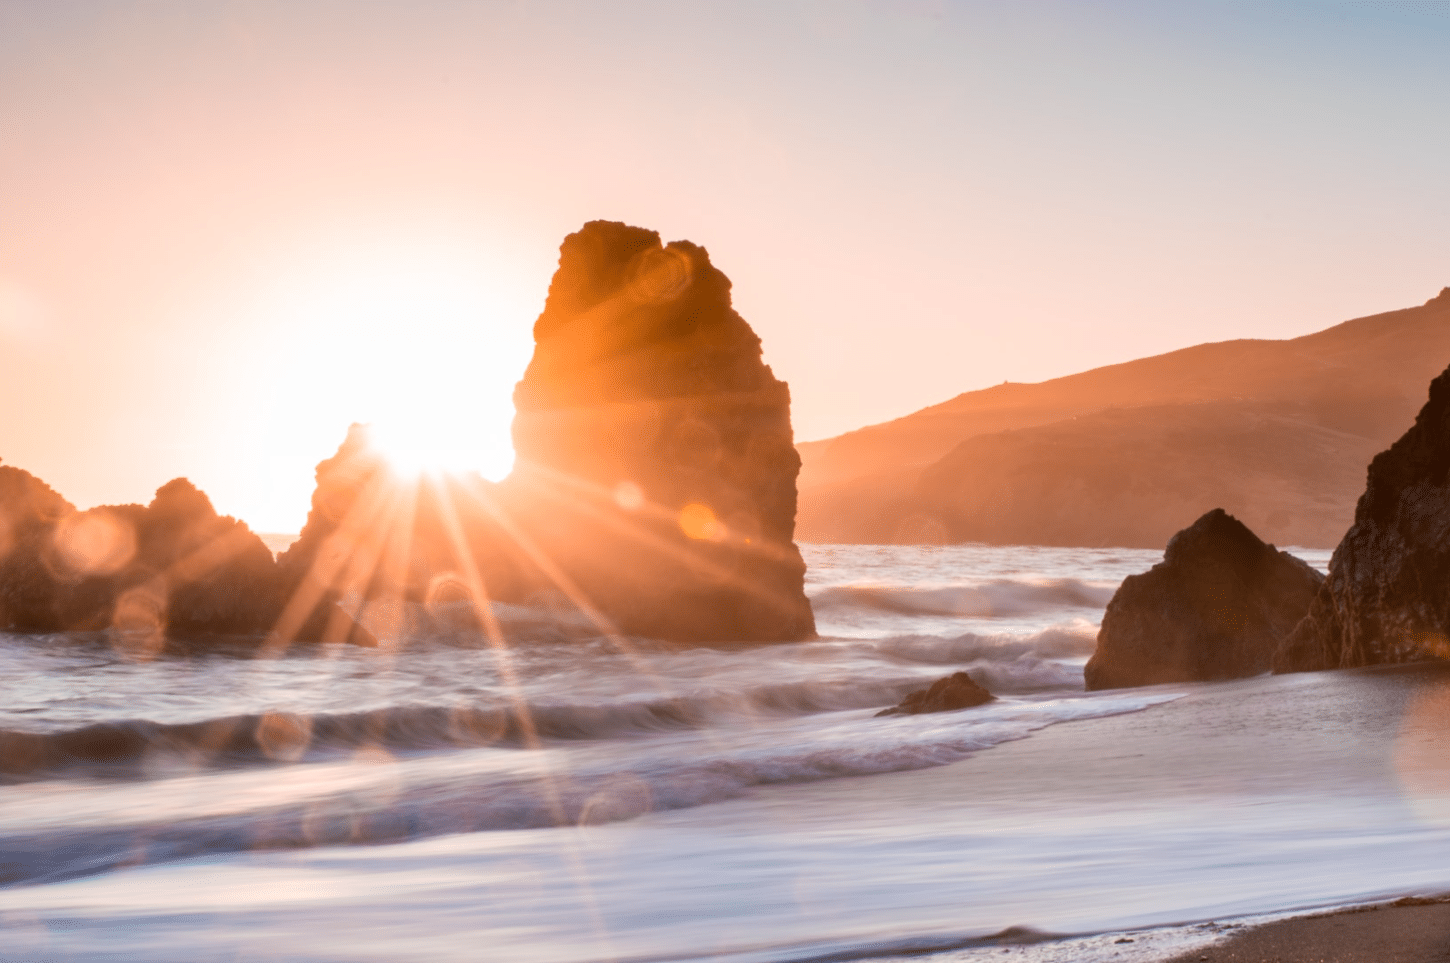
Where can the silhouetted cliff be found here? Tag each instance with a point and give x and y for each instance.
(1386, 598)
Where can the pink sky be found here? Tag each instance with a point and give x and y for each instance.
(229, 229)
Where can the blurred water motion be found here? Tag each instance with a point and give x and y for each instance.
(563, 793)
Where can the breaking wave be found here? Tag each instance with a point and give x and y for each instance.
(355, 800)
(994, 599)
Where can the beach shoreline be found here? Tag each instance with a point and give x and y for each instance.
(1412, 929)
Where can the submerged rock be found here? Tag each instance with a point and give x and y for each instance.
(956, 691)
(1387, 598)
(1216, 607)
(656, 464)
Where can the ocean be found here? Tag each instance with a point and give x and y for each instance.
(570, 798)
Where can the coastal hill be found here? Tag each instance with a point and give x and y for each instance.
(1277, 433)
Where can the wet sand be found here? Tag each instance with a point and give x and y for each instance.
(1411, 930)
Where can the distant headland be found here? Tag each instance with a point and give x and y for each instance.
(1277, 433)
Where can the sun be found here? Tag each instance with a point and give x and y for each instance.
(422, 338)
(411, 455)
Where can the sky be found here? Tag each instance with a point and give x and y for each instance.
(230, 229)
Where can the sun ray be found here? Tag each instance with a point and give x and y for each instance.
(494, 631)
(557, 485)
(326, 568)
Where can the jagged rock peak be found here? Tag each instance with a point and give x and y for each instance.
(1385, 599)
(1216, 607)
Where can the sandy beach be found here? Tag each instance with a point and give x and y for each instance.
(1408, 930)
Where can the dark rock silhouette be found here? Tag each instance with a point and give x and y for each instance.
(220, 578)
(353, 490)
(1387, 598)
(174, 568)
(29, 512)
(1216, 607)
(956, 691)
(656, 467)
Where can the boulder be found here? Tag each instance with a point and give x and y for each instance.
(956, 691)
(656, 467)
(1387, 598)
(1216, 607)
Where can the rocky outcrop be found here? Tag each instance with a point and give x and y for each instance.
(656, 467)
(1386, 598)
(174, 568)
(1216, 607)
(956, 691)
(219, 578)
(655, 478)
(375, 539)
(29, 512)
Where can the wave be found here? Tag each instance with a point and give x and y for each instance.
(993, 599)
(783, 681)
(359, 800)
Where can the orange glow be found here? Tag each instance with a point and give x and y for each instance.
(628, 496)
(410, 455)
(95, 543)
(416, 333)
(284, 736)
(699, 522)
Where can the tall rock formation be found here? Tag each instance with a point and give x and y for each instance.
(656, 464)
(1387, 598)
(1216, 607)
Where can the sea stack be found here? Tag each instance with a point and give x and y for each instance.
(1386, 599)
(656, 466)
(1216, 607)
